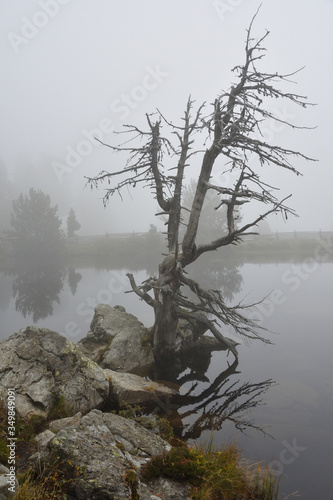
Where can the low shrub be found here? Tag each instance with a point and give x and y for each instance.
(214, 475)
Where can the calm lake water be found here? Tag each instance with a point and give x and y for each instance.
(295, 411)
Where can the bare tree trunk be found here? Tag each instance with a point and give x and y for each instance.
(166, 319)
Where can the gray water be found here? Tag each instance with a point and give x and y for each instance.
(292, 425)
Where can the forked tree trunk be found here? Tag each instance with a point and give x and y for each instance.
(230, 131)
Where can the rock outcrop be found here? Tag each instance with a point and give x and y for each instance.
(101, 452)
(117, 340)
(130, 389)
(42, 365)
(104, 450)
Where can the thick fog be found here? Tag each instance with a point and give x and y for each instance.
(72, 70)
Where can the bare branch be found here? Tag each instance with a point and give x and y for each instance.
(211, 303)
(143, 295)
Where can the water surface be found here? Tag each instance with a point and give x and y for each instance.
(296, 412)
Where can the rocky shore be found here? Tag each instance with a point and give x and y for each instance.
(102, 451)
(81, 421)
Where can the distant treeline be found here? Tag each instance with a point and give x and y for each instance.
(146, 250)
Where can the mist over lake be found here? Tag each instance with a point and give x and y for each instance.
(276, 402)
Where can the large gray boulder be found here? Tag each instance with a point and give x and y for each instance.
(41, 364)
(130, 389)
(117, 340)
(102, 448)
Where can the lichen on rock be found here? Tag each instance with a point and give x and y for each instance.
(102, 448)
(42, 364)
(117, 341)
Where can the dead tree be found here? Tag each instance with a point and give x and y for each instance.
(231, 131)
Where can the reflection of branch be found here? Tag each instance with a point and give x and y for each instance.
(230, 409)
(213, 388)
(221, 401)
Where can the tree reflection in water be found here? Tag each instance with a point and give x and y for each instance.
(38, 281)
(210, 405)
(73, 280)
(35, 291)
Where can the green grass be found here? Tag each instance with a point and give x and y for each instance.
(214, 474)
(157, 424)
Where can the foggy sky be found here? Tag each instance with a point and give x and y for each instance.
(72, 69)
